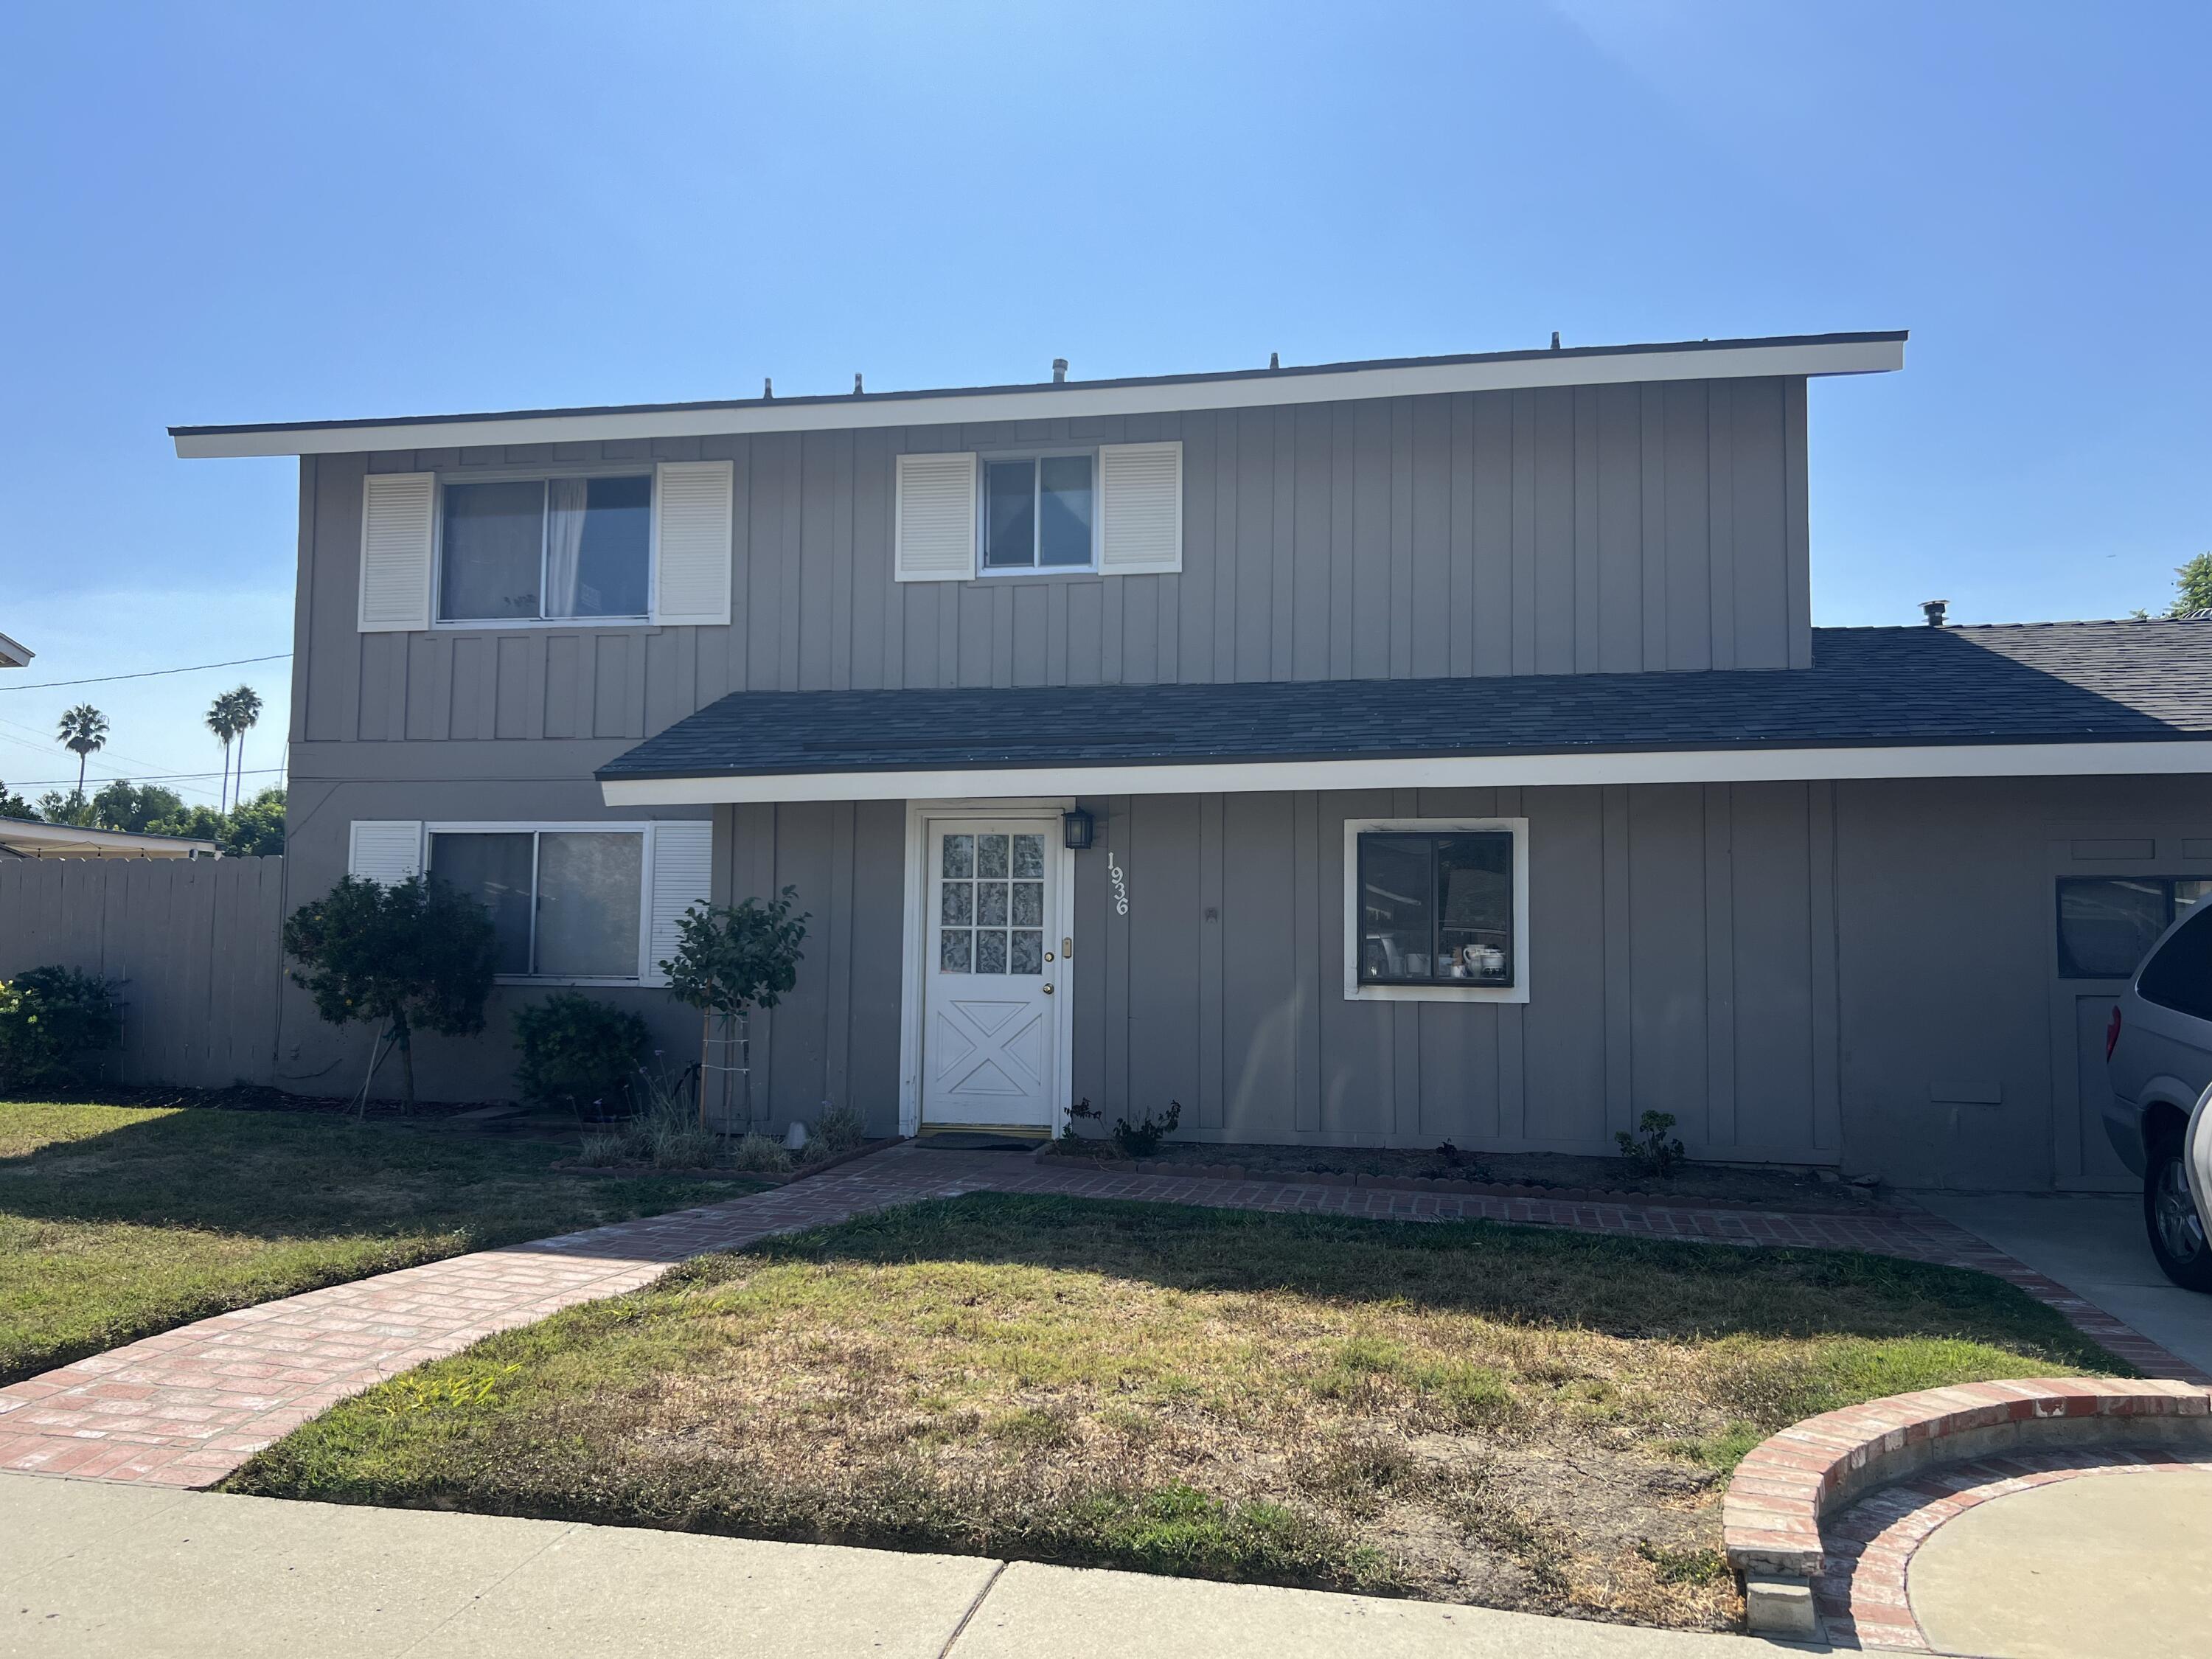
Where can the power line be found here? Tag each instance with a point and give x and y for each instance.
(143, 777)
(148, 674)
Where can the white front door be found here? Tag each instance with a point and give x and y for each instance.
(989, 1033)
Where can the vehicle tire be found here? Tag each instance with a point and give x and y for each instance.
(2177, 1232)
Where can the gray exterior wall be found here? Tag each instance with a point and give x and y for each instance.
(1860, 975)
(1606, 528)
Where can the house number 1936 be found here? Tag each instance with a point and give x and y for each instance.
(1119, 879)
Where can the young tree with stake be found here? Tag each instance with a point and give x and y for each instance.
(730, 960)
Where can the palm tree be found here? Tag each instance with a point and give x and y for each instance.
(83, 729)
(222, 720)
(245, 712)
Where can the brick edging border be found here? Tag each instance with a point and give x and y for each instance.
(1770, 1519)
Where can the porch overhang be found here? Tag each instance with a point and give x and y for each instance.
(2069, 699)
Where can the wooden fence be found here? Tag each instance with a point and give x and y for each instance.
(192, 944)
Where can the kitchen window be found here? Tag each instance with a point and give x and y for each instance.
(531, 550)
(1040, 513)
(2106, 923)
(1437, 909)
(565, 904)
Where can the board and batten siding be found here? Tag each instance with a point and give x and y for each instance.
(1590, 529)
(1682, 960)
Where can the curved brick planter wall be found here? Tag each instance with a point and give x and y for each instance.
(1770, 1522)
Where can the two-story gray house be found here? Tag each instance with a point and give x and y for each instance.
(1384, 752)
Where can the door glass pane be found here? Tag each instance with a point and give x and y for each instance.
(1009, 514)
(1064, 510)
(1394, 915)
(990, 904)
(614, 553)
(954, 948)
(590, 888)
(2106, 923)
(991, 856)
(491, 553)
(1028, 904)
(1026, 953)
(959, 859)
(1029, 855)
(1474, 908)
(956, 904)
(495, 870)
(990, 950)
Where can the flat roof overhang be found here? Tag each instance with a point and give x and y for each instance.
(1688, 360)
(27, 838)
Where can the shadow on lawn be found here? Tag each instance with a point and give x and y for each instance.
(309, 1175)
(1642, 1288)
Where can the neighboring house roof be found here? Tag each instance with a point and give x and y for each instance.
(1941, 691)
(13, 655)
(1682, 360)
(27, 838)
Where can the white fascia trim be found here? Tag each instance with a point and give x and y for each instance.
(1259, 390)
(13, 655)
(1996, 760)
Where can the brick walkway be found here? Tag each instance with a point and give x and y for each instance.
(1862, 1598)
(186, 1407)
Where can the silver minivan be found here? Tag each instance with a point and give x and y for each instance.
(2158, 1052)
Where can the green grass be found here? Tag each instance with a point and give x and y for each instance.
(117, 1222)
(1513, 1416)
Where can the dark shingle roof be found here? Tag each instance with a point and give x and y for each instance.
(1867, 687)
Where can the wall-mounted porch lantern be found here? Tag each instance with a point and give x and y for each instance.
(1075, 829)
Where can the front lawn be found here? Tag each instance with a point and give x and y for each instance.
(1510, 1416)
(116, 1222)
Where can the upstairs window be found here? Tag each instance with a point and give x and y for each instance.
(527, 550)
(1038, 513)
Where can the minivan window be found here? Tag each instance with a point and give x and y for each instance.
(2178, 975)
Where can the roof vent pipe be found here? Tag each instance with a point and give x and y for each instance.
(1934, 610)
(1059, 370)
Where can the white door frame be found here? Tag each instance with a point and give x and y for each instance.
(913, 972)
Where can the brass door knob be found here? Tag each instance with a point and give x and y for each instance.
(1047, 990)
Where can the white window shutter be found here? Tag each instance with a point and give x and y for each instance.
(1140, 508)
(397, 510)
(692, 504)
(385, 850)
(935, 539)
(682, 876)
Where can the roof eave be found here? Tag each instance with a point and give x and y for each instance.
(1787, 355)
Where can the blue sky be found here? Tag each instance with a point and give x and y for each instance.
(259, 212)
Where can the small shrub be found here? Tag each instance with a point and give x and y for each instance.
(1139, 1140)
(1143, 1138)
(761, 1154)
(665, 1134)
(48, 1017)
(1651, 1149)
(839, 1130)
(579, 1054)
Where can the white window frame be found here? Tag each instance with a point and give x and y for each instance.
(546, 475)
(984, 461)
(1443, 990)
(641, 829)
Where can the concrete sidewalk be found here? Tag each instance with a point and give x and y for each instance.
(92, 1568)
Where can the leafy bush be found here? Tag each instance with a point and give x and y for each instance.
(1651, 1149)
(48, 1017)
(762, 1154)
(579, 1054)
(1139, 1140)
(416, 953)
(839, 1130)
